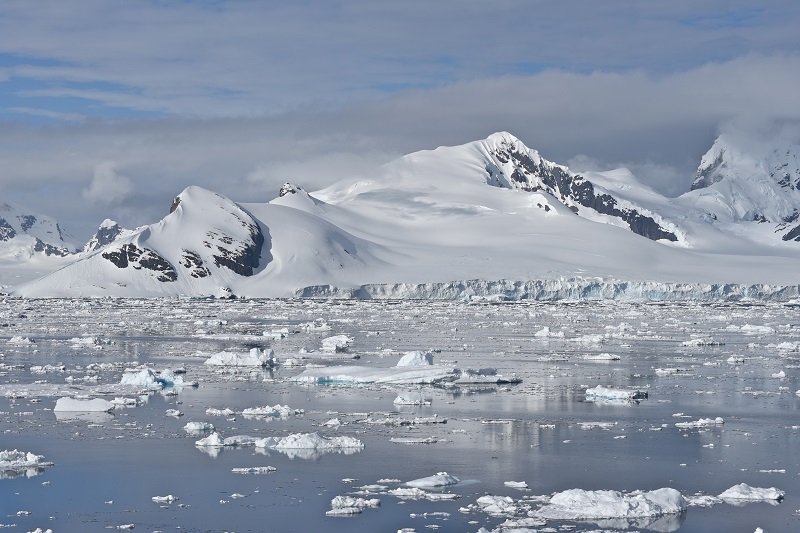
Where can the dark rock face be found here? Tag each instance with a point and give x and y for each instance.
(528, 174)
(288, 188)
(27, 222)
(711, 174)
(175, 203)
(105, 235)
(792, 235)
(49, 249)
(7, 232)
(142, 258)
(240, 256)
(194, 264)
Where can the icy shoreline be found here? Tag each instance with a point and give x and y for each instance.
(559, 289)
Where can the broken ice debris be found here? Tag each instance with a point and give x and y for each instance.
(579, 504)
(96, 405)
(411, 398)
(256, 358)
(744, 492)
(440, 479)
(14, 463)
(198, 427)
(701, 423)
(147, 378)
(516, 484)
(254, 470)
(605, 393)
(350, 506)
(308, 441)
(416, 358)
(601, 357)
(497, 505)
(164, 499)
(279, 411)
(336, 344)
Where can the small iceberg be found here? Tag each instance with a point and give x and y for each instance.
(441, 479)
(701, 423)
(604, 393)
(745, 493)
(579, 504)
(72, 405)
(254, 358)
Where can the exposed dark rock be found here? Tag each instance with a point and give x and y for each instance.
(793, 235)
(710, 174)
(528, 174)
(175, 203)
(49, 249)
(289, 188)
(7, 232)
(105, 235)
(27, 222)
(192, 262)
(142, 258)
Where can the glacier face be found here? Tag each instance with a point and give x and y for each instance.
(445, 223)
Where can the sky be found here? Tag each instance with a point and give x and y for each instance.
(109, 108)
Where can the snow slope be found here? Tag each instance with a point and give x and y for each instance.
(491, 217)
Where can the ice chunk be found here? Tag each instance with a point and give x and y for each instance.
(96, 405)
(256, 358)
(14, 463)
(497, 505)
(340, 502)
(336, 344)
(441, 479)
(579, 504)
(411, 398)
(516, 484)
(19, 340)
(254, 470)
(416, 359)
(214, 440)
(745, 492)
(164, 499)
(280, 411)
(308, 441)
(546, 333)
(701, 423)
(364, 374)
(779, 375)
(198, 427)
(601, 357)
(414, 493)
(615, 394)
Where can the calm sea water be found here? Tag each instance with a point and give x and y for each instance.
(108, 468)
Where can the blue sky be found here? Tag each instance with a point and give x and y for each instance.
(119, 105)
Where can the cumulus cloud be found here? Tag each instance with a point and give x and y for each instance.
(107, 185)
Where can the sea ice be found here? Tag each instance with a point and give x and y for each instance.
(336, 344)
(254, 470)
(96, 405)
(411, 398)
(615, 394)
(701, 423)
(416, 358)
(497, 505)
(279, 411)
(164, 499)
(198, 427)
(601, 357)
(308, 441)
(578, 504)
(516, 484)
(440, 479)
(17, 460)
(744, 492)
(254, 358)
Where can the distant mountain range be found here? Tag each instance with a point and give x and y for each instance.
(433, 222)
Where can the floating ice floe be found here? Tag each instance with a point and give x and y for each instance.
(497, 505)
(579, 504)
(440, 479)
(164, 499)
(254, 470)
(278, 411)
(414, 493)
(516, 484)
(735, 360)
(336, 344)
(416, 358)
(701, 423)
(779, 375)
(601, 357)
(414, 440)
(546, 333)
(702, 341)
(309, 441)
(96, 342)
(220, 412)
(147, 378)
(72, 405)
(198, 427)
(14, 463)
(254, 358)
(19, 340)
(350, 506)
(746, 493)
(604, 393)
(411, 398)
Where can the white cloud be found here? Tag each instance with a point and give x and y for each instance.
(107, 186)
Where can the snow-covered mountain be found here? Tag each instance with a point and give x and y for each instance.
(750, 184)
(24, 234)
(423, 224)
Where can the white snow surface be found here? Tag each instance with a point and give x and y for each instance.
(455, 223)
(579, 504)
